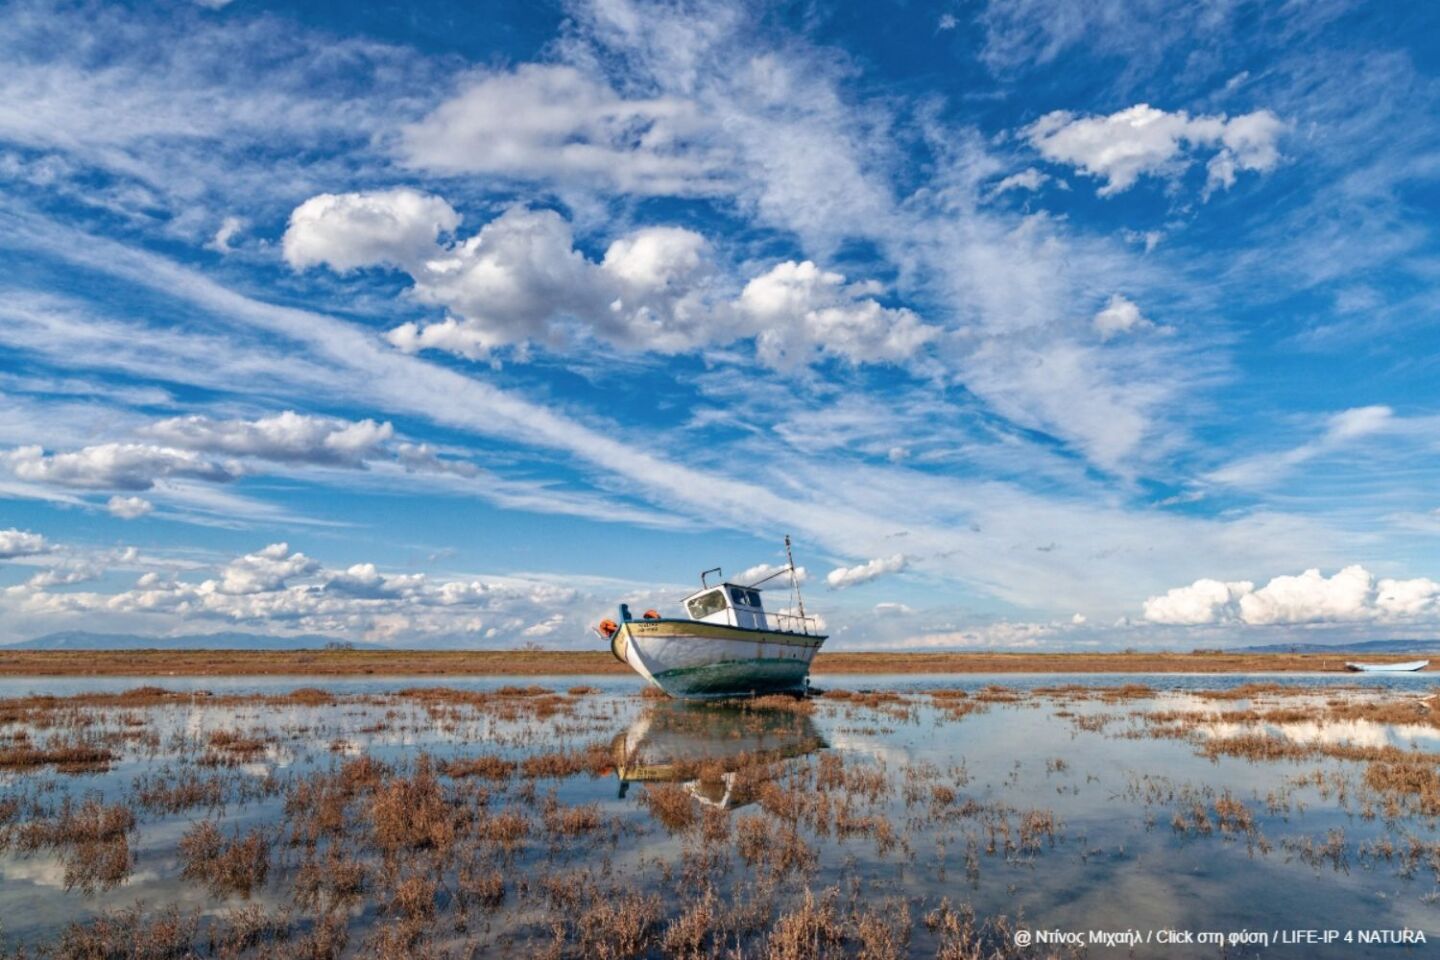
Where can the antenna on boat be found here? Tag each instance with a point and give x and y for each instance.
(794, 581)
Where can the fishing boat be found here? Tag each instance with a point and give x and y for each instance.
(1408, 667)
(727, 644)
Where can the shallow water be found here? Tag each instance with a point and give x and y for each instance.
(1061, 810)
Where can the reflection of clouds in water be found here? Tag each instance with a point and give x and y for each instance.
(1182, 703)
(873, 747)
(1360, 733)
(42, 871)
(278, 756)
(1190, 703)
(49, 871)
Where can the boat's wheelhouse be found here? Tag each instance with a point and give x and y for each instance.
(729, 604)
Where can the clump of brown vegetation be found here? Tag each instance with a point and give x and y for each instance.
(336, 879)
(1037, 827)
(566, 821)
(1233, 815)
(311, 697)
(412, 812)
(812, 929)
(1333, 851)
(92, 838)
(167, 933)
(66, 756)
(1416, 777)
(237, 865)
(160, 794)
(415, 897)
(671, 805)
(994, 693)
(558, 764)
(483, 887)
(486, 766)
(962, 938)
(229, 747)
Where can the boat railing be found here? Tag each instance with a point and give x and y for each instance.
(793, 623)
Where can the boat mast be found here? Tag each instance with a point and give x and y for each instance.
(795, 582)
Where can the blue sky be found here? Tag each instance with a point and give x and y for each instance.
(1037, 325)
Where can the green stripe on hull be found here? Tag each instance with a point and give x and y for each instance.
(734, 678)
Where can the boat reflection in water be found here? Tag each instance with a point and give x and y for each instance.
(703, 746)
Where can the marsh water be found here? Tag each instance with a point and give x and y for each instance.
(574, 816)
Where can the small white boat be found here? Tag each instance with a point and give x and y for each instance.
(726, 646)
(1408, 667)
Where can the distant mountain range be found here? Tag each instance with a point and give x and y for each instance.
(1366, 646)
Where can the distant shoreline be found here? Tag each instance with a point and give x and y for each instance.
(151, 663)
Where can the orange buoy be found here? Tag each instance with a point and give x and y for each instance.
(652, 615)
(608, 627)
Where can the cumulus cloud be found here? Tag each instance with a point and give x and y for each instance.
(366, 580)
(263, 571)
(1408, 598)
(803, 311)
(129, 508)
(1351, 594)
(1311, 597)
(544, 628)
(1204, 601)
(287, 437)
(548, 120)
(762, 571)
(352, 230)
(521, 280)
(58, 577)
(1118, 316)
(21, 543)
(113, 466)
(1144, 141)
(842, 577)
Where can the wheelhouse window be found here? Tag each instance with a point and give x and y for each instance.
(744, 597)
(706, 604)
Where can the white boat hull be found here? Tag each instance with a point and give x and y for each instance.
(693, 660)
(1409, 667)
